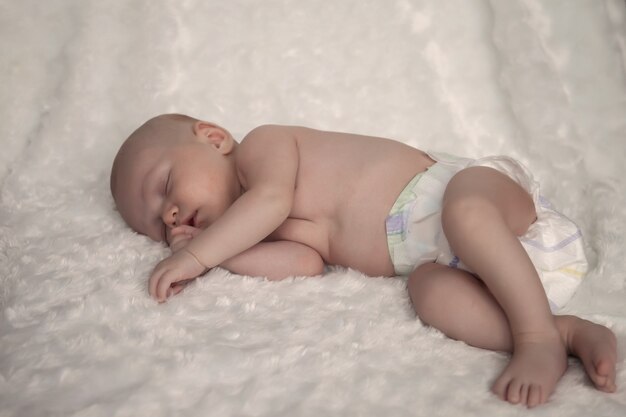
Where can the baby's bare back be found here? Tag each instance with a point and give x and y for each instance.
(345, 187)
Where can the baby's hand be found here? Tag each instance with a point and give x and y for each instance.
(180, 266)
(180, 236)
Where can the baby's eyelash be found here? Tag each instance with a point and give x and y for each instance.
(167, 182)
(164, 228)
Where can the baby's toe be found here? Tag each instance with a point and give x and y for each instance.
(599, 372)
(500, 388)
(604, 377)
(535, 396)
(524, 394)
(514, 392)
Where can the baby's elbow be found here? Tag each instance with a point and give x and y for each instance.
(283, 208)
(310, 264)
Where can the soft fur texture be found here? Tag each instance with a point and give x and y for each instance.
(540, 81)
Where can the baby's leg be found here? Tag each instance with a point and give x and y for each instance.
(460, 305)
(483, 213)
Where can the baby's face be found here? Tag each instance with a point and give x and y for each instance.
(162, 186)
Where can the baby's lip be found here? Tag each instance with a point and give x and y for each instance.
(190, 220)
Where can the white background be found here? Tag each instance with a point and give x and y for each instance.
(542, 81)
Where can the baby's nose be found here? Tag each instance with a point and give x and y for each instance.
(170, 215)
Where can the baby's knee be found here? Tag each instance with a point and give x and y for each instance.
(466, 212)
(479, 194)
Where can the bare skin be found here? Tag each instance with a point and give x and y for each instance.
(482, 211)
(325, 196)
(460, 305)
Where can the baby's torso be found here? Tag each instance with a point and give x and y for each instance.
(346, 186)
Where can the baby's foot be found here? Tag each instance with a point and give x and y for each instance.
(538, 362)
(596, 347)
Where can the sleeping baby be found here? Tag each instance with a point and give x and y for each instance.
(488, 259)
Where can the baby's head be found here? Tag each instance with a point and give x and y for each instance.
(174, 170)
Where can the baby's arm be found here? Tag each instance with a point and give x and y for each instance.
(273, 260)
(268, 162)
(276, 261)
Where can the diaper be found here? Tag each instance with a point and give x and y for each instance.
(415, 235)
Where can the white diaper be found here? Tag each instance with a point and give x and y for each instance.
(415, 236)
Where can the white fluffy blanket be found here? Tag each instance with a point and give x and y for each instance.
(79, 336)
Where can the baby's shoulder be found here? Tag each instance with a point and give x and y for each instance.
(270, 132)
(265, 139)
(267, 143)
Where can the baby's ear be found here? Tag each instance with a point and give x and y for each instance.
(214, 135)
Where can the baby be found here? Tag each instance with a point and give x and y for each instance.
(287, 200)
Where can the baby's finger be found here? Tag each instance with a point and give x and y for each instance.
(152, 284)
(184, 230)
(153, 281)
(163, 285)
(177, 288)
(180, 285)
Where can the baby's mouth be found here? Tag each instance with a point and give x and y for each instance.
(191, 220)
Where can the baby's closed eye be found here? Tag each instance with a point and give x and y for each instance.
(164, 187)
